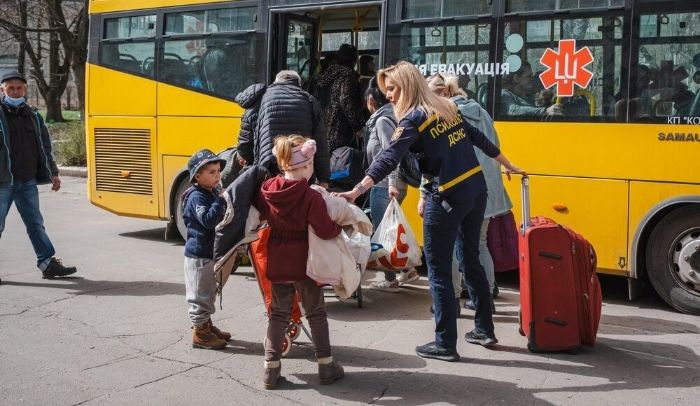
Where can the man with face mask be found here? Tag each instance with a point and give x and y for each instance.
(25, 162)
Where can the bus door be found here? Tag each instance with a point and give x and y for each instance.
(304, 39)
(297, 44)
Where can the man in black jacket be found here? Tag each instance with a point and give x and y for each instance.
(279, 109)
(25, 162)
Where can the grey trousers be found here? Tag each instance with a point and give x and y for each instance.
(485, 255)
(315, 313)
(200, 289)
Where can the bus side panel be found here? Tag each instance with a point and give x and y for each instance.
(183, 136)
(594, 208)
(123, 165)
(644, 196)
(175, 101)
(410, 209)
(120, 94)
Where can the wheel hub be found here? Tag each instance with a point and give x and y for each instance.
(687, 259)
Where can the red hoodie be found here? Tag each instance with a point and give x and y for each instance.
(290, 207)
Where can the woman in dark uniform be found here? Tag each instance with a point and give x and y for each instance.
(432, 127)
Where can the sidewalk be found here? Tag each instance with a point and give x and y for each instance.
(74, 171)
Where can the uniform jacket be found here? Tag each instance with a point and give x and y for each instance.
(280, 109)
(47, 166)
(498, 201)
(290, 207)
(447, 150)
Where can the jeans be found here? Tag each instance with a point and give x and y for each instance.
(440, 231)
(378, 202)
(315, 313)
(200, 289)
(26, 198)
(468, 252)
(485, 255)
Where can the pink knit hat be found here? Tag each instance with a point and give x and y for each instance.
(302, 155)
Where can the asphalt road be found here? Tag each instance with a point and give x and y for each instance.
(118, 333)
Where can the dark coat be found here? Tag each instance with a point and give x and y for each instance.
(343, 114)
(280, 109)
(290, 207)
(203, 210)
(242, 194)
(47, 166)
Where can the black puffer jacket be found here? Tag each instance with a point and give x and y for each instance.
(343, 115)
(281, 108)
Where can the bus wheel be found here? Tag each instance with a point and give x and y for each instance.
(178, 210)
(673, 259)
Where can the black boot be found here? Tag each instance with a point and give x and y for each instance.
(56, 268)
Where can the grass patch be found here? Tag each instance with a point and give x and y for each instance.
(69, 142)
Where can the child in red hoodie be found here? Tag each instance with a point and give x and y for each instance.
(290, 206)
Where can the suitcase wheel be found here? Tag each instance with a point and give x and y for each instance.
(286, 344)
(293, 331)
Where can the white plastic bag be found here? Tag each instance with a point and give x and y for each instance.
(359, 246)
(396, 237)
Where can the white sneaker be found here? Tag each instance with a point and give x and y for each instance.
(408, 276)
(386, 286)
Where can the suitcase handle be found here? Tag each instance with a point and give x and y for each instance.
(525, 196)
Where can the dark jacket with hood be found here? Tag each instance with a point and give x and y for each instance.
(290, 207)
(282, 108)
(46, 166)
(241, 195)
(203, 209)
(343, 114)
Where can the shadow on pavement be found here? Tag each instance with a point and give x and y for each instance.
(84, 286)
(154, 234)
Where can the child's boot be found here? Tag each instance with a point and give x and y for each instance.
(224, 335)
(329, 371)
(203, 337)
(271, 373)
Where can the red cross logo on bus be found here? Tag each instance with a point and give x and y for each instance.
(566, 67)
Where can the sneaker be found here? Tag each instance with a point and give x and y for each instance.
(386, 286)
(57, 269)
(477, 337)
(408, 276)
(329, 373)
(431, 350)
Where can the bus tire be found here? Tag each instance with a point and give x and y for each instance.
(673, 259)
(178, 209)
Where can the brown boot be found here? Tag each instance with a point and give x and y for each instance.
(271, 373)
(329, 373)
(203, 337)
(224, 335)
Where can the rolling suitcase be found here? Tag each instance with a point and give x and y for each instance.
(560, 297)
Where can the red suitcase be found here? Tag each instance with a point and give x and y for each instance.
(560, 297)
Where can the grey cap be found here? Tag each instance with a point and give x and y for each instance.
(12, 75)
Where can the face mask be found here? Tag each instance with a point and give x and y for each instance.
(14, 102)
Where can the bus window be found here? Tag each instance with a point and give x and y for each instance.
(444, 8)
(203, 47)
(447, 48)
(128, 44)
(556, 87)
(667, 78)
(537, 5)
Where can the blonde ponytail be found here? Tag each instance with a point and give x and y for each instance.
(283, 148)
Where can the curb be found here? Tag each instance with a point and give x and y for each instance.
(74, 171)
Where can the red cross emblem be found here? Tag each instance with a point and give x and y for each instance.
(566, 67)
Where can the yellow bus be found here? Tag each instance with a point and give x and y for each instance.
(597, 99)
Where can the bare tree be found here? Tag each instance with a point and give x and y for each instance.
(59, 29)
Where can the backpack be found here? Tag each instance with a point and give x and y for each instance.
(346, 167)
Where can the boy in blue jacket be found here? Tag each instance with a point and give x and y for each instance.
(203, 210)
